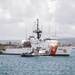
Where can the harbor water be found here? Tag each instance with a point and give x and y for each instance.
(39, 65)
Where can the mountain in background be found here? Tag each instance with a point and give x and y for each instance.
(61, 40)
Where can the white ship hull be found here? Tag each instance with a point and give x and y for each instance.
(62, 51)
(47, 46)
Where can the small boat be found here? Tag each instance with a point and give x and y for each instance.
(46, 47)
(27, 55)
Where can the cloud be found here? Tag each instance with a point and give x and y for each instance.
(65, 13)
(16, 15)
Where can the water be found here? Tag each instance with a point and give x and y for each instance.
(40, 65)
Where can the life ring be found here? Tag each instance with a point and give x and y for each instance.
(65, 51)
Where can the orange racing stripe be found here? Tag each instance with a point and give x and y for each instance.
(53, 50)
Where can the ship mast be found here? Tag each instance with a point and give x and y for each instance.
(38, 31)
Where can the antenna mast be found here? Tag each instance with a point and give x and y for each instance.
(26, 33)
(49, 29)
(55, 30)
(38, 31)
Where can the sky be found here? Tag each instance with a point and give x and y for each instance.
(18, 17)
